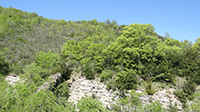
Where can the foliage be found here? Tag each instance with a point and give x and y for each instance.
(118, 54)
(134, 104)
(106, 74)
(4, 66)
(195, 106)
(22, 98)
(196, 45)
(25, 34)
(172, 108)
(88, 72)
(46, 61)
(187, 92)
(127, 80)
(154, 107)
(88, 104)
(190, 63)
(149, 89)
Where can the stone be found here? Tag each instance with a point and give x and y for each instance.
(82, 87)
(12, 79)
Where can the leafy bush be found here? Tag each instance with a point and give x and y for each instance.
(62, 93)
(149, 89)
(47, 60)
(4, 66)
(127, 80)
(154, 107)
(22, 98)
(133, 102)
(88, 104)
(187, 92)
(106, 74)
(190, 63)
(88, 72)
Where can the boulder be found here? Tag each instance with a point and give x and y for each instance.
(12, 79)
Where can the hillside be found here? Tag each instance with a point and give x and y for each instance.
(124, 57)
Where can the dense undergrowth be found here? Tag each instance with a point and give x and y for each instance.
(35, 47)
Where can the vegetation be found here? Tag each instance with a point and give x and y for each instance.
(34, 47)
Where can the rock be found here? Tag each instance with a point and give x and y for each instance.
(12, 79)
(55, 79)
(81, 87)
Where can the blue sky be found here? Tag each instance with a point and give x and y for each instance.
(180, 18)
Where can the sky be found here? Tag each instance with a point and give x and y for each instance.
(180, 18)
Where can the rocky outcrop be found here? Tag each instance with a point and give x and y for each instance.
(166, 97)
(55, 79)
(12, 79)
(81, 87)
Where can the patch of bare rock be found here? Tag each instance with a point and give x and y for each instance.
(81, 87)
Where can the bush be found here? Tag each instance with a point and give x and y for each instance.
(187, 92)
(88, 104)
(89, 73)
(154, 107)
(106, 74)
(127, 80)
(4, 66)
(149, 89)
(22, 98)
(45, 63)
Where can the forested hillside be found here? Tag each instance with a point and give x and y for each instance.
(122, 56)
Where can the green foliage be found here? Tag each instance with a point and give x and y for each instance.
(118, 54)
(106, 74)
(196, 45)
(187, 92)
(63, 68)
(173, 108)
(88, 72)
(22, 98)
(133, 101)
(4, 66)
(46, 61)
(88, 104)
(154, 107)
(195, 106)
(127, 80)
(62, 94)
(134, 104)
(190, 63)
(149, 89)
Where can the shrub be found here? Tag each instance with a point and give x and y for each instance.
(149, 89)
(47, 61)
(187, 92)
(127, 80)
(154, 107)
(88, 104)
(4, 66)
(22, 98)
(62, 93)
(106, 74)
(88, 72)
